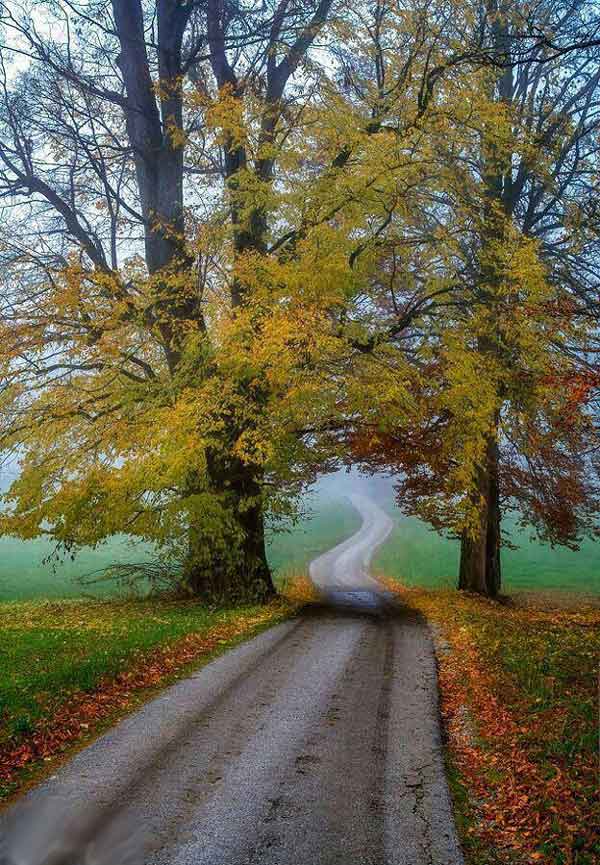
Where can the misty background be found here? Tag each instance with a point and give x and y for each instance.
(413, 554)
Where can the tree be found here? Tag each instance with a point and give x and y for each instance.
(115, 395)
(188, 194)
(499, 355)
(227, 240)
(517, 193)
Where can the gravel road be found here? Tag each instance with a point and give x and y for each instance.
(316, 743)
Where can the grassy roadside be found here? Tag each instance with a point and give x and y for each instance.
(519, 699)
(68, 669)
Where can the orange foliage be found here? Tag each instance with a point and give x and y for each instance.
(527, 809)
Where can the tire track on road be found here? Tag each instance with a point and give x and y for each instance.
(316, 742)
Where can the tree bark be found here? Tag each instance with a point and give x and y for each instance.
(480, 568)
(227, 562)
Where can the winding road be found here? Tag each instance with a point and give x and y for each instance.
(315, 743)
(342, 574)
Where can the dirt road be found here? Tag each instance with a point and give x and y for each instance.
(316, 743)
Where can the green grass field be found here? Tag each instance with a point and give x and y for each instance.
(419, 556)
(56, 648)
(26, 574)
(413, 553)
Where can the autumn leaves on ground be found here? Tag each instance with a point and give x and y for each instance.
(518, 684)
(519, 700)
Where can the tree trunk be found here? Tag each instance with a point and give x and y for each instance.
(480, 569)
(234, 569)
(227, 559)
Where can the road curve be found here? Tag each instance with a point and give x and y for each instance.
(342, 574)
(316, 743)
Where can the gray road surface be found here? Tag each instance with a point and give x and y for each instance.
(347, 565)
(316, 743)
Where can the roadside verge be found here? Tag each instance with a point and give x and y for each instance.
(519, 701)
(72, 669)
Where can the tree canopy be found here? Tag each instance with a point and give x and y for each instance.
(241, 242)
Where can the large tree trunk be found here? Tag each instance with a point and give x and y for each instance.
(227, 559)
(234, 570)
(238, 574)
(480, 569)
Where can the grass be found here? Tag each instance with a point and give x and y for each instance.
(52, 649)
(25, 573)
(62, 663)
(418, 556)
(519, 693)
